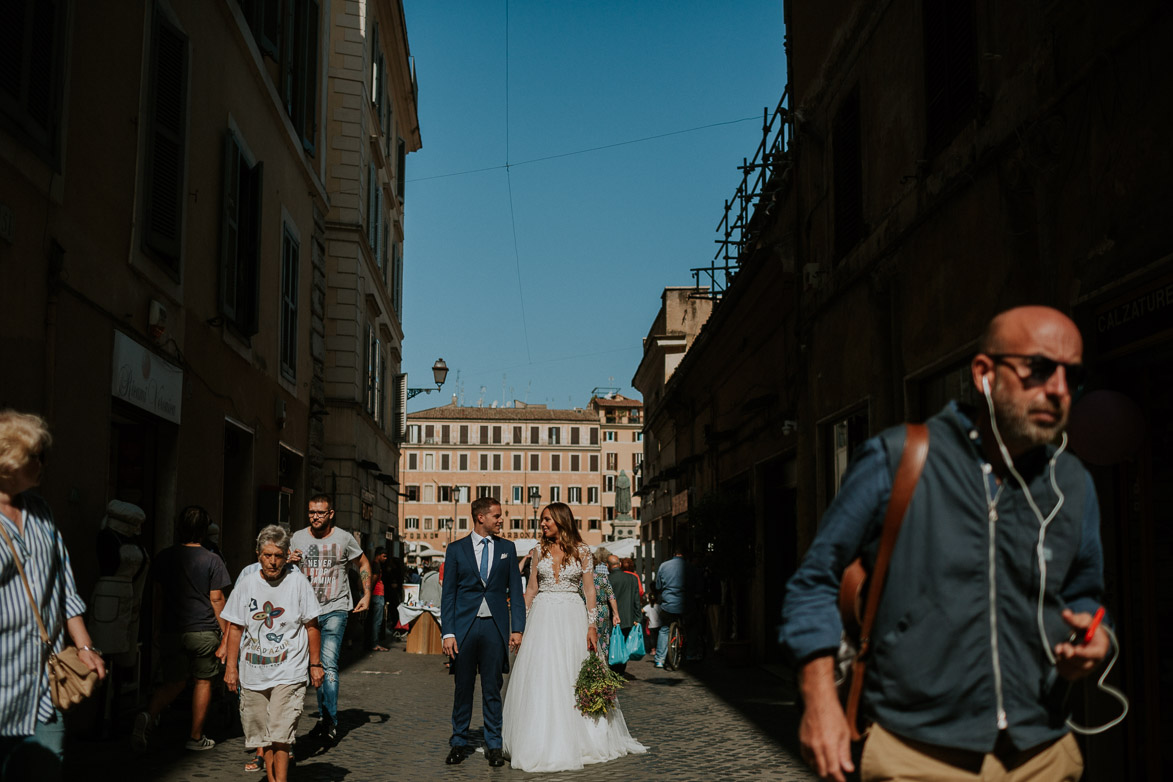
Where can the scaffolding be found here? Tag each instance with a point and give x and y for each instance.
(761, 177)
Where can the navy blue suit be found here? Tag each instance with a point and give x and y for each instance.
(482, 643)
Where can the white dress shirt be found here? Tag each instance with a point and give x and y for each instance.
(479, 551)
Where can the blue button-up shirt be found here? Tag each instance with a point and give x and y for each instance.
(24, 680)
(670, 585)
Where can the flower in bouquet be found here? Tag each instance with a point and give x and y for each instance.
(597, 687)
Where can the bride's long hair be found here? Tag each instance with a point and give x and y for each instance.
(567, 537)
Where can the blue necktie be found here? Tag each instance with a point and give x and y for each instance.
(485, 560)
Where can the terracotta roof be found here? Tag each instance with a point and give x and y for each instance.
(616, 401)
(450, 413)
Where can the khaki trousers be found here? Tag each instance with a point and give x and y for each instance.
(890, 758)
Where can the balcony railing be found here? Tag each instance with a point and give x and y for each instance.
(761, 178)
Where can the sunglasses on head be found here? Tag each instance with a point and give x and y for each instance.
(1040, 369)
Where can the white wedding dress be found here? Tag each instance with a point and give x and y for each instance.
(542, 728)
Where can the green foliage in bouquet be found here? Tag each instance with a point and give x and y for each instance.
(597, 687)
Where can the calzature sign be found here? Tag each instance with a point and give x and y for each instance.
(145, 380)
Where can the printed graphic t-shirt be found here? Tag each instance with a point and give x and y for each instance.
(188, 574)
(324, 562)
(274, 646)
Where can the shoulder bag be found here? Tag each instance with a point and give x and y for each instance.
(70, 680)
(858, 625)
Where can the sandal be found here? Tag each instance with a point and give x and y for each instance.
(256, 764)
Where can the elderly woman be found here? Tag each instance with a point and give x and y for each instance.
(273, 640)
(32, 731)
(608, 614)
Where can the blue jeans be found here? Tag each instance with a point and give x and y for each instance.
(333, 626)
(378, 619)
(38, 756)
(666, 620)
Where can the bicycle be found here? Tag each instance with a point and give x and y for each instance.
(674, 654)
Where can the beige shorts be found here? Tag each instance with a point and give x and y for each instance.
(270, 716)
(887, 756)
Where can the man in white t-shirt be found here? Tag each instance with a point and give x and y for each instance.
(273, 638)
(324, 552)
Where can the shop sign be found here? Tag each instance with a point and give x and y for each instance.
(1140, 313)
(145, 380)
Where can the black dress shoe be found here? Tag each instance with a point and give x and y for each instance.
(457, 755)
(495, 758)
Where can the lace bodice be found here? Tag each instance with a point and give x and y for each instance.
(568, 579)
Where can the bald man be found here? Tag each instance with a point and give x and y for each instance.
(970, 658)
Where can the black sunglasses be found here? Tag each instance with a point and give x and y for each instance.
(1040, 369)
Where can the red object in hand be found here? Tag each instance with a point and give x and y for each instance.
(1091, 629)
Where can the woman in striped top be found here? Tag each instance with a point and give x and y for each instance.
(32, 731)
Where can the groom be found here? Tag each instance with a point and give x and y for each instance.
(482, 593)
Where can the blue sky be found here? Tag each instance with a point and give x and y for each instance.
(598, 234)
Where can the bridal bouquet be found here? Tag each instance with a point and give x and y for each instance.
(597, 687)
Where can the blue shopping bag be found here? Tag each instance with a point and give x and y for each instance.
(617, 653)
(635, 643)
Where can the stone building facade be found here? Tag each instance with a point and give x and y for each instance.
(174, 208)
(938, 162)
(453, 454)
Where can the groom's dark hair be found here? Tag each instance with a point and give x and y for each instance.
(482, 505)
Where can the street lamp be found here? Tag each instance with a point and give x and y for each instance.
(455, 500)
(439, 374)
(535, 499)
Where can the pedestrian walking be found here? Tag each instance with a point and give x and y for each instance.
(32, 729)
(274, 645)
(652, 615)
(189, 595)
(998, 561)
(324, 552)
(626, 591)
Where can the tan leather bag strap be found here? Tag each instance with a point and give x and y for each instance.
(27, 589)
(912, 462)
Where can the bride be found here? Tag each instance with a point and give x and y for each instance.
(543, 729)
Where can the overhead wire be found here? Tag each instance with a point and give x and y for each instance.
(509, 185)
(584, 151)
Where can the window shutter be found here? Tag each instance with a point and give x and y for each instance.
(400, 172)
(309, 78)
(399, 281)
(230, 227)
(249, 267)
(371, 204)
(270, 26)
(164, 188)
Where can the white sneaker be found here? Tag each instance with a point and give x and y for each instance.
(141, 731)
(200, 744)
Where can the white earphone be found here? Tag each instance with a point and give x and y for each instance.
(1044, 522)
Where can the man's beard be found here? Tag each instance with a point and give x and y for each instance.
(1017, 428)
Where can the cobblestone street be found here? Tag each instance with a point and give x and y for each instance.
(709, 722)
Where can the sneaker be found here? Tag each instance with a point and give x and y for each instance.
(659, 665)
(140, 732)
(331, 733)
(200, 744)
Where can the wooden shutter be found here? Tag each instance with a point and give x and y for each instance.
(230, 227)
(249, 267)
(309, 76)
(164, 190)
